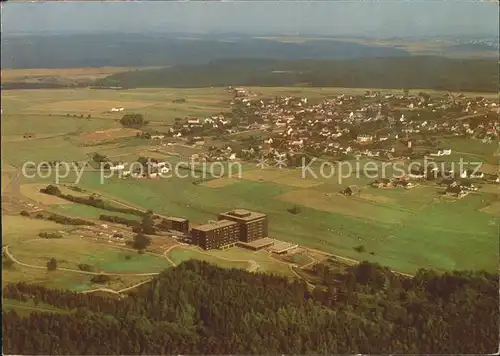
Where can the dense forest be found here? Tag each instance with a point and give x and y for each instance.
(197, 308)
(140, 50)
(437, 73)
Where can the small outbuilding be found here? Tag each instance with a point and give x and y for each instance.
(351, 190)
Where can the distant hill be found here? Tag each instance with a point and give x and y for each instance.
(99, 50)
(395, 72)
(473, 47)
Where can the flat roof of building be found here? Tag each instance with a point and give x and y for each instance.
(173, 218)
(243, 214)
(260, 243)
(282, 246)
(214, 225)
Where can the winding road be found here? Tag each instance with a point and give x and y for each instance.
(9, 255)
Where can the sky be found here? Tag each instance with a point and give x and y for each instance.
(382, 19)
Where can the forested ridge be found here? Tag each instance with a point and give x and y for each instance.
(198, 308)
(142, 50)
(439, 73)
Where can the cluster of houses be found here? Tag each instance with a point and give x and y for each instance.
(382, 126)
(149, 168)
(187, 126)
(399, 182)
(372, 125)
(460, 189)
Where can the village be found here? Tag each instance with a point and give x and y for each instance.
(381, 127)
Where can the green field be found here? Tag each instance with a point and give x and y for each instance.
(400, 227)
(181, 254)
(21, 235)
(71, 251)
(87, 211)
(405, 230)
(16, 229)
(263, 259)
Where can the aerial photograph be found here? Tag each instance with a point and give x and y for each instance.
(250, 177)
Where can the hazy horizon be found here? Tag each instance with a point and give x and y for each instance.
(333, 18)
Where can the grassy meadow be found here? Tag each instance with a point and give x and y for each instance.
(404, 229)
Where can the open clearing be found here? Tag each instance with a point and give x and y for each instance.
(179, 254)
(85, 106)
(220, 182)
(493, 209)
(280, 176)
(404, 230)
(398, 226)
(265, 261)
(32, 191)
(9, 74)
(16, 229)
(108, 134)
(336, 203)
(70, 251)
(63, 279)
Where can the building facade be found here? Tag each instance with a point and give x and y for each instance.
(178, 224)
(215, 234)
(252, 225)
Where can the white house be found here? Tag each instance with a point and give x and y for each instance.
(158, 164)
(364, 138)
(118, 167)
(157, 137)
(164, 170)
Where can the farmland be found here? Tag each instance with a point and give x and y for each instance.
(398, 226)
(21, 236)
(403, 229)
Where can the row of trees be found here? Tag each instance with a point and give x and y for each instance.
(91, 200)
(197, 308)
(133, 120)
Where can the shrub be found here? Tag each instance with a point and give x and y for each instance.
(295, 210)
(101, 279)
(141, 241)
(360, 248)
(64, 220)
(119, 220)
(7, 263)
(51, 190)
(52, 264)
(50, 235)
(132, 120)
(24, 213)
(85, 267)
